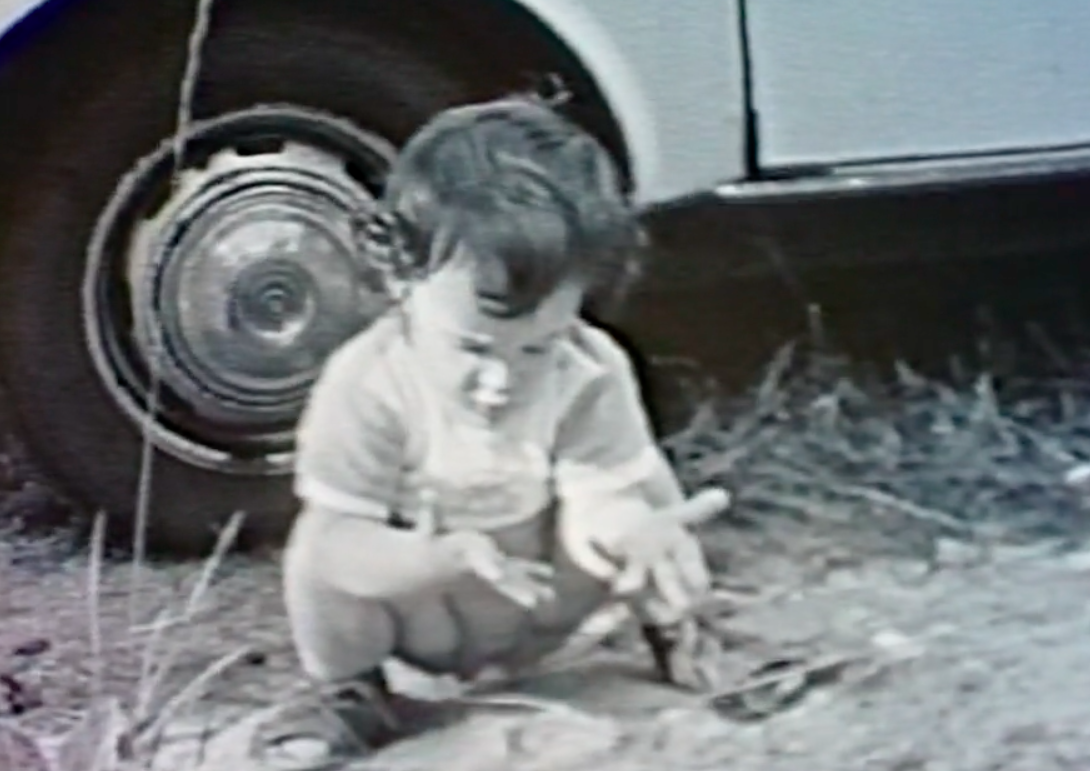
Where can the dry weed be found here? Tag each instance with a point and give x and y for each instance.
(901, 463)
(115, 730)
(896, 464)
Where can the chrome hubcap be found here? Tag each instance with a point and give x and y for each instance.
(237, 285)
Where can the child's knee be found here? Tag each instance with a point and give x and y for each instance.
(340, 642)
(336, 635)
(428, 636)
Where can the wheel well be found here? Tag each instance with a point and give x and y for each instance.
(514, 40)
(496, 45)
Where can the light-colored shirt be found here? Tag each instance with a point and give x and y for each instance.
(376, 431)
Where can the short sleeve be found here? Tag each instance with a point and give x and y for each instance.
(605, 443)
(349, 443)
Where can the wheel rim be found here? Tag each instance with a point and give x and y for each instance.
(236, 283)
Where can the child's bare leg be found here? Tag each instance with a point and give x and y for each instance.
(497, 631)
(343, 610)
(344, 630)
(337, 636)
(579, 595)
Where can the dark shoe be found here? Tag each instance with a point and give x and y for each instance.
(328, 727)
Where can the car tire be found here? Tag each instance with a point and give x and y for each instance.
(72, 426)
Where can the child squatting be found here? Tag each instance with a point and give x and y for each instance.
(477, 471)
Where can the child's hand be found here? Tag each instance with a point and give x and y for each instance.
(660, 550)
(524, 581)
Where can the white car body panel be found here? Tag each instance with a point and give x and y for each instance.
(11, 11)
(842, 81)
(674, 80)
(836, 82)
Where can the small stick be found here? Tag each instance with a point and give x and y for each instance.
(888, 500)
(812, 673)
(914, 510)
(94, 590)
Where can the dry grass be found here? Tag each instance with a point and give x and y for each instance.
(827, 467)
(897, 463)
(98, 679)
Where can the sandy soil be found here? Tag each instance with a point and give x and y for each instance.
(981, 666)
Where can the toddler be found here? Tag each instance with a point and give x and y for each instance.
(477, 472)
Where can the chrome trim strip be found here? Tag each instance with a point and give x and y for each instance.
(909, 177)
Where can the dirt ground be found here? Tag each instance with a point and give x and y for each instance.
(857, 537)
(980, 666)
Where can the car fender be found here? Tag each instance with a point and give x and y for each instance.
(625, 95)
(673, 82)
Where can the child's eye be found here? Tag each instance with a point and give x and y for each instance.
(535, 350)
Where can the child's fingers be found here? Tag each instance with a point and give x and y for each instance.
(484, 559)
(632, 578)
(523, 596)
(526, 583)
(670, 586)
(702, 507)
(539, 570)
(692, 567)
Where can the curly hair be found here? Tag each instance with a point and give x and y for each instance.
(536, 200)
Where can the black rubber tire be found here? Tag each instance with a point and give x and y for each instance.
(71, 425)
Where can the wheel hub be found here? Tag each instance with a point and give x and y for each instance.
(237, 288)
(251, 282)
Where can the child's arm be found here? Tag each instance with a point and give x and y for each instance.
(613, 480)
(350, 449)
(605, 444)
(367, 558)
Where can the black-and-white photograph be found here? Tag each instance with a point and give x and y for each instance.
(544, 385)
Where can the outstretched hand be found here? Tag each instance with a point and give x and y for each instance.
(525, 582)
(661, 551)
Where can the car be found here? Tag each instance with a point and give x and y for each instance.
(178, 182)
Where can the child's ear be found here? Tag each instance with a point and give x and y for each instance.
(384, 242)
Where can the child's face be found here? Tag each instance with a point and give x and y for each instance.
(460, 341)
